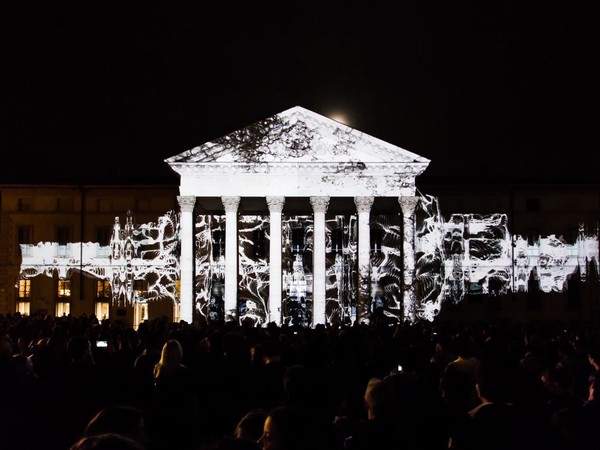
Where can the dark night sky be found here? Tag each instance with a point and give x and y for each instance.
(92, 92)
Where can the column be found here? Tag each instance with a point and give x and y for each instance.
(363, 206)
(319, 205)
(186, 263)
(408, 205)
(275, 287)
(231, 256)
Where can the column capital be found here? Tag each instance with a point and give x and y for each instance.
(186, 202)
(363, 204)
(230, 203)
(275, 204)
(319, 204)
(408, 204)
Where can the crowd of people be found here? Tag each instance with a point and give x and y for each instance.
(223, 385)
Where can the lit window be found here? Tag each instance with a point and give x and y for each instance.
(63, 309)
(141, 289)
(176, 312)
(102, 310)
(140, 314)
(64, 288)
(24, 288)
(178, 288)
(103, 291)
(23, 308)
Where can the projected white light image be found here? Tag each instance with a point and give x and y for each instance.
(466, 254)
(353, 265)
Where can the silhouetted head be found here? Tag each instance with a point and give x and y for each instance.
(107, 441)
(250, 427)
(286, 428)
(124, 420)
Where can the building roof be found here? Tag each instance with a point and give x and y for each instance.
(297, 153)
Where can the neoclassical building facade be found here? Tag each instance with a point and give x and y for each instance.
(304, 186)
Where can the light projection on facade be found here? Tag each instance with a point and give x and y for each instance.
(314, 267)
(468, 254)
(141, 262)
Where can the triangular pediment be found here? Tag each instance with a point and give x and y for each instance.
(296, 135)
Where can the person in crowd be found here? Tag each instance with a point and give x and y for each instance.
(458, 379)
(107, 441)
(380, 430)
(577, 426)
(173, 411)
(287, 428)
(250, 426)
(594, 357)
(125, 420)
(495, 424)
(558, 384)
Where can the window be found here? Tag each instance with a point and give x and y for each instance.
(533, 234)
(63, 309)
(24, 308)
(177, 288)
(103, 291)
(103, 235)
(571, 235)
(63, 235)
(25, 236)
(64, 289)
(25, 204)
(176, 312)
(141, 289)
(140, 314)
(23, 293)
(24, 289)
(63, 305)
(102, 310)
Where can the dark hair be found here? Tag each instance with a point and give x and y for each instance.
(292, 426)
(251, 425)
(114, 419)
(106, 441)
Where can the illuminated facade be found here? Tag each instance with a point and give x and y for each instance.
(300, 219)
(296, 154)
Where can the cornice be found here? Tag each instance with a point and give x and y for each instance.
(285, 168)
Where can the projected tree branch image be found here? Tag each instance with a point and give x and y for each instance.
(316, 263)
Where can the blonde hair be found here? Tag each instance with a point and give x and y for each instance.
(170, 357)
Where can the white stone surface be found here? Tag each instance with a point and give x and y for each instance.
(297, 153)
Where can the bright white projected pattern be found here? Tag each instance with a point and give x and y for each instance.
(468, 254)
(147, 253)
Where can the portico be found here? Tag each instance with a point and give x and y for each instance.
(296, 154)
